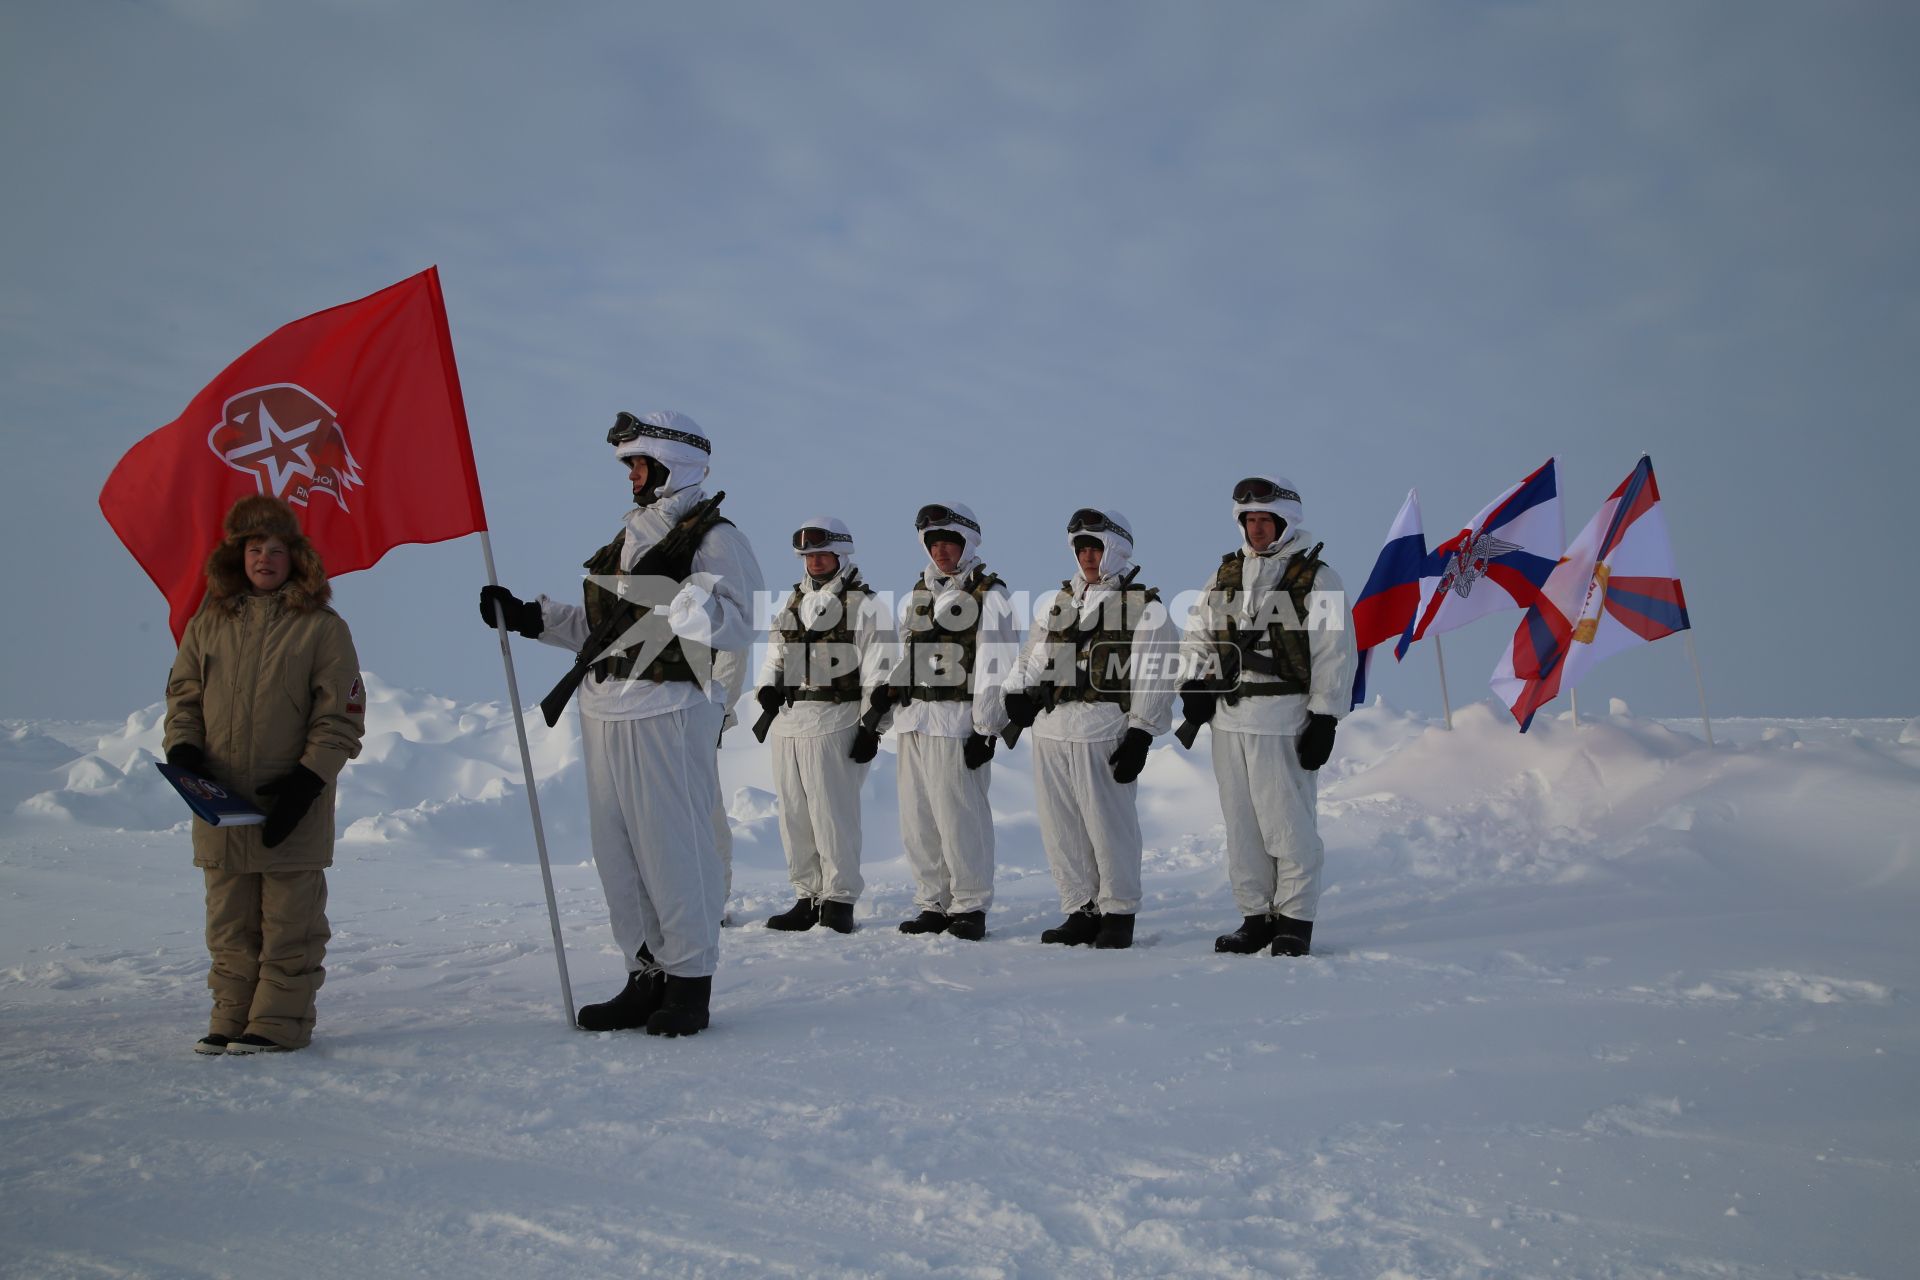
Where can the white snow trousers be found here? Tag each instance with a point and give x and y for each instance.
(1089, 825)
(819, 789)
(1273, 835)
(651, 792)
(946, 824)
(723, 845)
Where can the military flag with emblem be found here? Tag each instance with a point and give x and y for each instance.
(1616, 589)
(352, 415)
(1498, 561)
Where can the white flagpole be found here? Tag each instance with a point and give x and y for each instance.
(1446, 703)
(1701, 685)
(1574, 694)
(533, 794)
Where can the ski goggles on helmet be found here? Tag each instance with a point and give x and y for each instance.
(816, 539)
(1261, 489)
(934, 514)
(1089, 520)
(627, 428)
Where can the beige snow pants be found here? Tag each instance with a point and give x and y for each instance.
(267, 934)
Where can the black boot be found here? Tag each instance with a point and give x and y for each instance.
(683, 1011)
(1291, 937)
(1254, 933)
(803, 914)
(969, 926)
(1116, 933)
(837, 916)
(928, 921)
(1076, 930)
(628, 1010)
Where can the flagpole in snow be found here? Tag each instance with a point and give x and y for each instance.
(1574, 695)
(1699, 684)
(533, 794)
(1446, 703)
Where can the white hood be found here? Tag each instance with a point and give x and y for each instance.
(1292, 540)
(677, 443)
(969, 537)
(1118, 555)
(842, 545)
(1287, 509)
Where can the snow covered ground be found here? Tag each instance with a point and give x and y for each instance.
(1593, 1002)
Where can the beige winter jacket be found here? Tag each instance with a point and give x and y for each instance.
(262, 683)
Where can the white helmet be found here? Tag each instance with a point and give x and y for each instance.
(679, 448)
(1114, 531)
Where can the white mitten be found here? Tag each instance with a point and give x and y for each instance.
(691, 613)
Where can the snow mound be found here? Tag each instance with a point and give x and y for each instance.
(1481, 803)
(27, 747)
(1477, 805)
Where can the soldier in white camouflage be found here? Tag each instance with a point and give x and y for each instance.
(1273, 634)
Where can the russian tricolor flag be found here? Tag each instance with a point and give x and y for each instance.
(1499, 561)
(1616, 589)
(1387, 603)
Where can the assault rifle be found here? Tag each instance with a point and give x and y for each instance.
(673, 552)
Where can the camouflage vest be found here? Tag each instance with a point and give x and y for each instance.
(807, 643)
(671, 663)
(1292, 662)
(933, 648)
(1108, 640)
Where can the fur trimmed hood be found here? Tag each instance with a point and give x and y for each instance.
(260, 516)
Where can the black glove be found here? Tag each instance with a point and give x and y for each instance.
(184, 755)
(1022, 708)
(1316, 741)
(866, 745)
(770, 697)
(1197, 702)
(881, 700)
(978, 751)
(1131, 755)
(522, 615)
(292, 796)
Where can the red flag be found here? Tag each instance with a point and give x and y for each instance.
(353, 415)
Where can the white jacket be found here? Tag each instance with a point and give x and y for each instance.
(872, 631)
(1152, 686)
(997, 648)
(715, 608)
(1330, 641)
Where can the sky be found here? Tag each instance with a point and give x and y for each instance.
(1028, 257)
